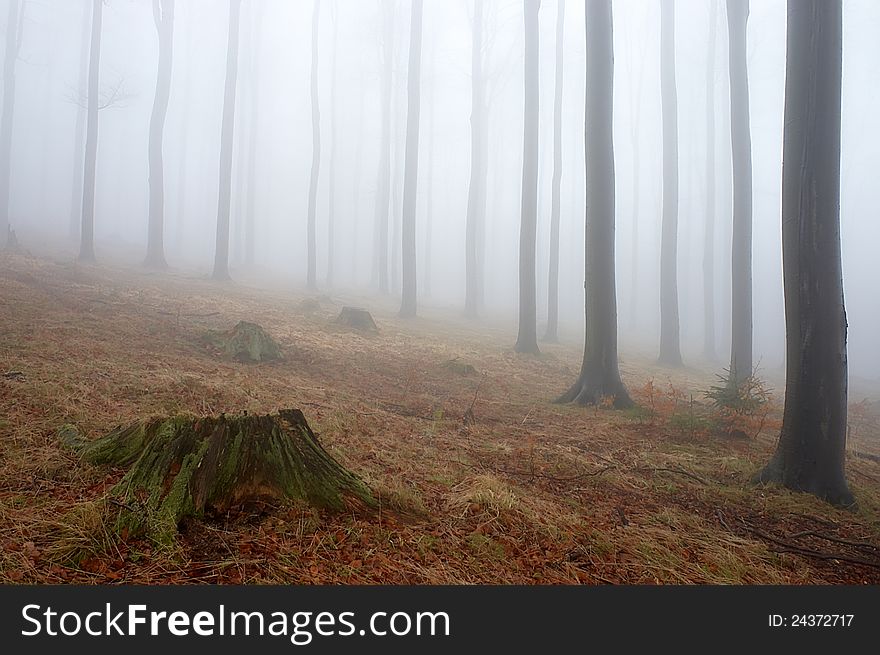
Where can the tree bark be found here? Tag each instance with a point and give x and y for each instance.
(383, 181)
(311, 227)
(79, 132)
(408, 304)
(87, 230)
(599, 380)
(741, 146)
(163, 17)
(552, 334)
(221, 253)
(670, 346)
(334, 119)
(13, 43)
(527, 340)
(709, 231)
(476, 207)
(250, 218)
(811, 452)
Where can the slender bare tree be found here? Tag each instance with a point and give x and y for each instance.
(709, 231)
(552, 333)
(527, 339)
(13, 45)
(79, 133)
(741, 239)
(163, 17)
(409, 272)
(670, 346)
(227, 139)
(311, 227)
(87, 229)
(811, 452)
(334, 125)
(383, 181)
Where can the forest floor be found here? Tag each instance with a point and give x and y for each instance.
(482, 479)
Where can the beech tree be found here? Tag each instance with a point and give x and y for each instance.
(527, 339)
(670, 346)
(408, 303)
(163, 17)
(383, 178)
(13, 45)
(87, 229)
(811, 452)
(599, 379)
(334, 120)
(709, 229)
(311, 227)
(552, 333)
(227, 135)
(476, 204)
(79, 132)
(741, 240)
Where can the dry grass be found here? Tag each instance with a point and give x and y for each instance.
(482, 479)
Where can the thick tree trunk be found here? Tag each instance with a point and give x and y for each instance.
(182, 468)
(476, 207)
(552, 334)
(741, 146)
(811, 452)
(13, 42)
(221, 253)
(87, 230)
(163, 16)
(383, 181)
(79, 131)
(409, 273)
(311, 227)
(599, 380)
(670, 346)
(527, 339)
(709, 231)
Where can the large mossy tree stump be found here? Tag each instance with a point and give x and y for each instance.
(357, 318)
(246, 342)
(183, 467)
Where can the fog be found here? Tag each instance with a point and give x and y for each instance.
(274, 80)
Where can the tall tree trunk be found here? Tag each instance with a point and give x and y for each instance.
(635, 137)
(383, 181)
(227, 139)
(429, 177)
(87, 230)
(184, 136)
(600, 378)
(409, 274)
(356, 179)
(811, 452)
(13, 43)
(250, 218)
(334, 120)
(670, 347)
(552, 334)
(709, 231)
(163, 16)
(527, 340)
(79, 132)
(477, 186)
(741, 146)
(311, 228)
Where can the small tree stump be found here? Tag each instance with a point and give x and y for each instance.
(246, 342)
(357, 318)
(188, 467)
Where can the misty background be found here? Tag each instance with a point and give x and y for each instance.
(274, 80)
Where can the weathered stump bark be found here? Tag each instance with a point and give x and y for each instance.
(246, 342)
(183, 467)
(357, 318)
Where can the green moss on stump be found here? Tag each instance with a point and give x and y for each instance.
(183, 467)
(246, 342)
